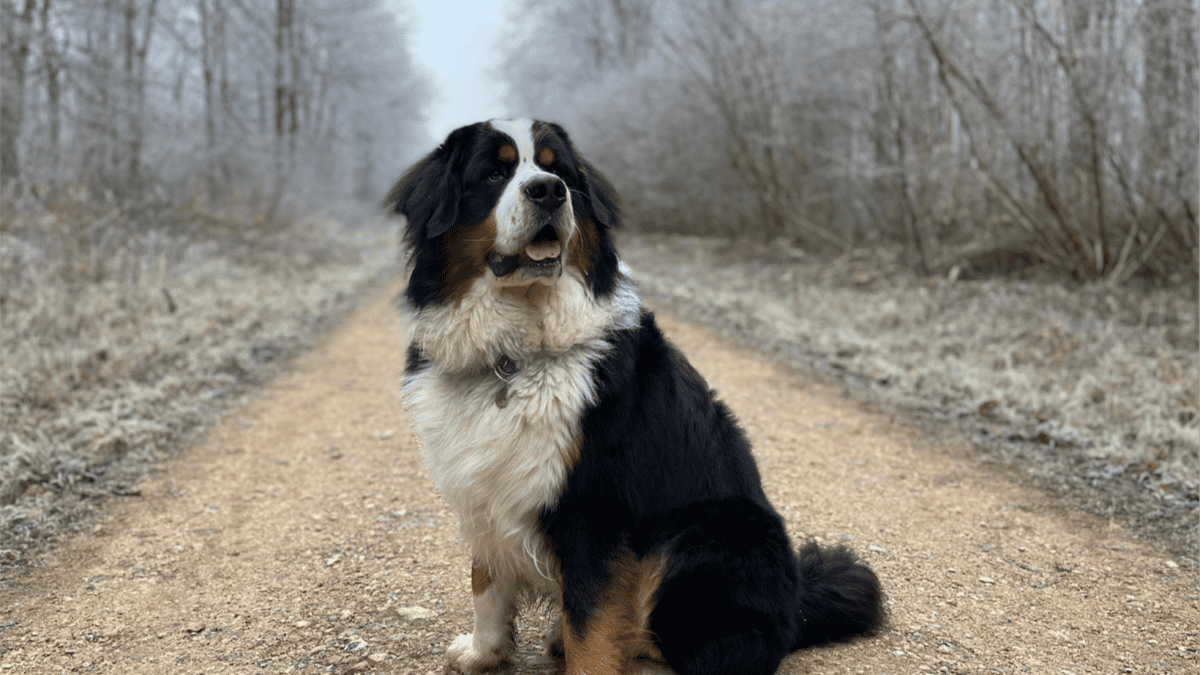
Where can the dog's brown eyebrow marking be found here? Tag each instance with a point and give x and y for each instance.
(508, 153)
(545, 156)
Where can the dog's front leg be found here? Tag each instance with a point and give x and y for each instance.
(493, 644)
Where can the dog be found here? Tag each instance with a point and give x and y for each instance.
(589, 464)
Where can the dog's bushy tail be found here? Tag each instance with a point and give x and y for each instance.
(839, 597)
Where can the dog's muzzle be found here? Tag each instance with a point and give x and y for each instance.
(540, 258)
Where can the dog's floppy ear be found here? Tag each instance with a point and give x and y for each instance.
(603, 201)
(603, 204)
(428, 193)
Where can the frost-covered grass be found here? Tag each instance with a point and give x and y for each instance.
(119, 339)
(1103, 380)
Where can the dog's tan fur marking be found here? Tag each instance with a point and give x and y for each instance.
(617, 633)
(545, 156)
(466, 250)
(481, 580)
(508, 153)
(581, 250)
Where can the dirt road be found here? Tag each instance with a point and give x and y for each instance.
(303, 536)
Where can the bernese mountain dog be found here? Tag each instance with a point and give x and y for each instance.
(589, 464)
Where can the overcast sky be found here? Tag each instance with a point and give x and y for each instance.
(455, 41)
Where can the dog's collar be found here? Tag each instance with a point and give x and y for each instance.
(505, 370)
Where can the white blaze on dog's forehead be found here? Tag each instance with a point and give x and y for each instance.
(521, 131)
(515, 223)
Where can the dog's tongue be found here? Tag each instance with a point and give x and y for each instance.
(540, 250)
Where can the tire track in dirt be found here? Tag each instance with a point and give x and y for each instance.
(302, 535)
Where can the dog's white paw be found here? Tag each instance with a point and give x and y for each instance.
(467, 659)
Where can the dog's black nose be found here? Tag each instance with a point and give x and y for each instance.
(548, 193)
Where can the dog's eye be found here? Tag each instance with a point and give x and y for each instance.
(496, 175)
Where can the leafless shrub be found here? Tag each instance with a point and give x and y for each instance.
(1078, 198)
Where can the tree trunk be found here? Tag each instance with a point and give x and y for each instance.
(1159, 100)
(210, 124)
(52, 65)
(295, 46)
(136, 51)
(227, 116)
(13, 54)
(284, 99)
(1085, 26)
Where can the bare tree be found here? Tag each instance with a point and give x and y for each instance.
(136, 48)
(892, 137)
(212, 63)
(14, 52)
(53, 67)
(771, 114)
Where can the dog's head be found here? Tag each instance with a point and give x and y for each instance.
(509, 202)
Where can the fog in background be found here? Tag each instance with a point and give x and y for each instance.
(1052, 132)
(170, 100)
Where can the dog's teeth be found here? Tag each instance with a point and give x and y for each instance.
(542, 250)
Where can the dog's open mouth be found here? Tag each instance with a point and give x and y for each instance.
(541, 257)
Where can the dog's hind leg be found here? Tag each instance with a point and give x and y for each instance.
(613, 638)
(727, 604)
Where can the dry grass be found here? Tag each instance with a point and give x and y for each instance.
(123, 331)
(1085, 386)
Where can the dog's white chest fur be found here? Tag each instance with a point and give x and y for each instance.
(499, 467)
